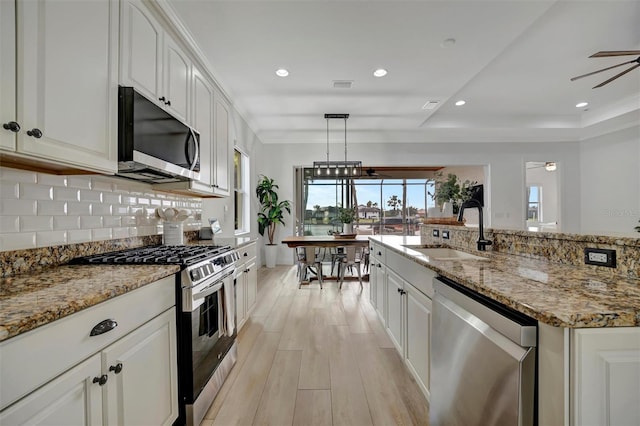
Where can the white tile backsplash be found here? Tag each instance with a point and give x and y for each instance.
(17, 207)
(41, 210)
(32, 191)
(36, 223)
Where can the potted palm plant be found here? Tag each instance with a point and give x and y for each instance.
(271, 213)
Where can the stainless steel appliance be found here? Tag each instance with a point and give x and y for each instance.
(207, 348)
(483, 360)
(154, 146)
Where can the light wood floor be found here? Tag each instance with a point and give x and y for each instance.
(315, 357)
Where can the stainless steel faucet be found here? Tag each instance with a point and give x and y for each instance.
(482, 242)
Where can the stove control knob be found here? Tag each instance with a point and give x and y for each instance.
(195, 275)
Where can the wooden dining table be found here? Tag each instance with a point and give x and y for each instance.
(329, 241)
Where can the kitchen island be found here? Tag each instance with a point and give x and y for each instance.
(588, 324)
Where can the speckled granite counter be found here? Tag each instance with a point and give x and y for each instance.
(555, 294)
(30, 300)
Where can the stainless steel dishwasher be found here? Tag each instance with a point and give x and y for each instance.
(483, 360)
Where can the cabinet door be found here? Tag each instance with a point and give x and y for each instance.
(142, 370)
(252, 284)
(241, 297)
(67, 86)
(373, 281)
(141, 52)
(606, 376)
(222, 142)
(7, 73)
(395, 288)
(203, 122)
(381, 290)
(70, 399)
(418, 320)
(177, 77)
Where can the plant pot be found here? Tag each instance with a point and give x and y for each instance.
(270, 255)
(347, 228)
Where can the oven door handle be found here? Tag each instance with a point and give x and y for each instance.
(210, 289)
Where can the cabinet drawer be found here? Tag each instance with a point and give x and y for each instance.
(32, 359)
(247, 252)
(418, 275)
(378, 253)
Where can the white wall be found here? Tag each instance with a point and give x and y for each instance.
(504, 179)
(610, 175)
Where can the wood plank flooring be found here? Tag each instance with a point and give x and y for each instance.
(315, 357)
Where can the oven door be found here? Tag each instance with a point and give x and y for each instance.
(207, 345)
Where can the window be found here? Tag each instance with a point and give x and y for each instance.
(241, 191)
(385, 205)
(534, 203)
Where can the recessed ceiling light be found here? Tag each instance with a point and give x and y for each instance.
(282, 72)
(448, 43)
(460, 102)
(380, 72)
(582, 104)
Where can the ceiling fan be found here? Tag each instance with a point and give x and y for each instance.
(549, 166)
(607, 53)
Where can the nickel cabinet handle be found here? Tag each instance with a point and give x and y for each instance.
(35, 132)
(116, 368)
(103, 327)
(12, 126)
(102, 380)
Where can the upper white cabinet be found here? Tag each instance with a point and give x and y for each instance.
(64, 90)
(202, 97)
(8, 132)
(152, 62)
(222, 143)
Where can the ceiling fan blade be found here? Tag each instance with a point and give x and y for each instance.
(604, 69)
(605, 53)
(617, 75)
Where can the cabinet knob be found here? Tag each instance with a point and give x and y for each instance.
(35, 132)
(246, 254)
(12, 125)
(168, 103)
(379, 253)
(101, 380)
(103, 327)
(162, 99)
(116, 368)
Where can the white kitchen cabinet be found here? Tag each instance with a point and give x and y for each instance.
(418, 342)
(202, 98)
(152, 62)
(606, 376)
(142, 371)
(60, 374)
(8, 75)
(222, 144)
(403, 302)
(246, 283)
(395, 310)
(65, 90)
(71, 399)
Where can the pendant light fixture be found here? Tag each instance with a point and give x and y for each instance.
(337, 169)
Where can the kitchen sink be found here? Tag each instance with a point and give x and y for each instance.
(442, 253)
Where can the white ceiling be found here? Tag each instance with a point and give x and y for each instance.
(511, 62)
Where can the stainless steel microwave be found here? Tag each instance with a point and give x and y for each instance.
(154, 146)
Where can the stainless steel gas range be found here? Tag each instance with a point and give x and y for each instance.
(205, 303)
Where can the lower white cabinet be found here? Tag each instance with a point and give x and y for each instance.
(142, 375)
(418, 342)
(395, 310)
(246, 278)
(606, 376)
(403, 290)
(60, 374)
(71, 399)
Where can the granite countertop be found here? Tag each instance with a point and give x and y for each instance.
(28, 301)
(554, 294)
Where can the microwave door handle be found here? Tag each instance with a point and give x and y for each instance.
(192, 163)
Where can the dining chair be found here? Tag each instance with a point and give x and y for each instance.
(307, 260)
(352, 259)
